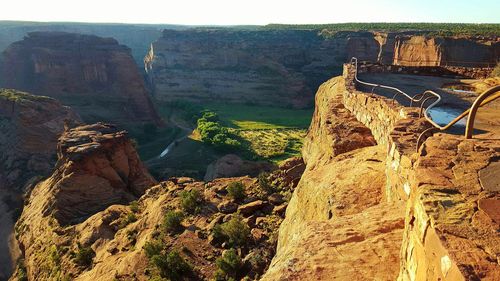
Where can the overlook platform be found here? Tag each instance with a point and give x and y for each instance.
(451, 184)
(454, 102)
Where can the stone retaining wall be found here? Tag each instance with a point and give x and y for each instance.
(391, 124)
(455, 71)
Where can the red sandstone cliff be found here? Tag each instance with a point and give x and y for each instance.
(96, 76)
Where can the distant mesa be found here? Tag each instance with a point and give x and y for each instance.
(96, 76)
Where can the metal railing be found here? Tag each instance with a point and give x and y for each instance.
(483, 99)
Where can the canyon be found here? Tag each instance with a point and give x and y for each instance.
(364, 199)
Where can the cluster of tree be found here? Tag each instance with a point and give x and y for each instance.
(430, 28)
(212, 132)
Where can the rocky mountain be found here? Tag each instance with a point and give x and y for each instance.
(96, 76)
(30, 126)
(285, 67)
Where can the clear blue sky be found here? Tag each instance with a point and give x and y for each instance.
(225, 12)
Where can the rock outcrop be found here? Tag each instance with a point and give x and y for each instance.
(97, 167)
(79, 209)
(94, 75)
(285, 67)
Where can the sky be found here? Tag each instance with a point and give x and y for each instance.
(253, 12)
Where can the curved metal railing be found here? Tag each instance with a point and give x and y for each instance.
(483, 99)
(423, 97)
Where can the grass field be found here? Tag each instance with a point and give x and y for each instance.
(274, 144)
(271, 133)
(253, 117)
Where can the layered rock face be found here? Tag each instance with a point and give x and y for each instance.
(96, 76)
(447, 51)
(285, 67)
(97, 167)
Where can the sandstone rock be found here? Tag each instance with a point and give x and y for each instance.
(217, 220)
(353, 245)
(288, 174)
(31, 126)
(275, 198)
(334, 130)
(280, 210)
(250, 221)
(227, 207)
(75, 67)
(233, 166)
(257, 234)
(251, 207)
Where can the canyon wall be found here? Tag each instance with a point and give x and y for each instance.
(96, 76)
(285, 67)
(30, 126)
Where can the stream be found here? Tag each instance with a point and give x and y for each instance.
(170, 146)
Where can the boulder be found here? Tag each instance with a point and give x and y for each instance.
(251, 207)
(227, 207)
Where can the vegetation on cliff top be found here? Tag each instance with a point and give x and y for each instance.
(17, 96)
(444, 29)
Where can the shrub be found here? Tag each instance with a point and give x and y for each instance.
(191, 201)
(130, 218)
(22, 274)
(228, 266)
(264, 183)
(153, 248)
(172, 221)
(84, 256)
(171, 265)
(134, 206)
(236, 190)
(235, 232)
